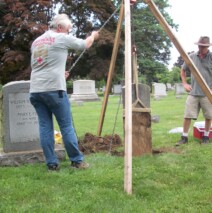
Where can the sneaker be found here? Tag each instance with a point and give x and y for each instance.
(53, 167)
(183, 140)
(81, 165)
(205, 140)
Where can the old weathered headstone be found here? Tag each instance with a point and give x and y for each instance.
(21, 131)
(84, 90)
(20, 134)
(144, 94)
(141, 120)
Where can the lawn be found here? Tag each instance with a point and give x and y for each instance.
(178, 180)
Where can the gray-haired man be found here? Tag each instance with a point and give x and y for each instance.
(48, 88)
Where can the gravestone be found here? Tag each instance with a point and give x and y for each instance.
(179, 89)
(117, 89)
(169, 86)
(84, 90)
(141, 120)
(159, 90)
(144, 94)
(20, 132)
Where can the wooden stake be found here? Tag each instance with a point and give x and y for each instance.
(180, 49)
(128, 102)
(111, 69)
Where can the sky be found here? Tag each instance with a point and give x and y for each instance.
(194, 18)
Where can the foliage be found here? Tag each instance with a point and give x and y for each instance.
(153, 45)
(180, 61)
(174, 75)
(95, 62)
(163, 77)
(22, 21)
(100, 84)
(69, 84)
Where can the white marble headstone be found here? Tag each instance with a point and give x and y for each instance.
(159, 90)
(117, 89)
(84, 90)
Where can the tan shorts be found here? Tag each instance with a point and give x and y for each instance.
(193, 105)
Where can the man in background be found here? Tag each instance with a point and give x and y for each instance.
(196, 99)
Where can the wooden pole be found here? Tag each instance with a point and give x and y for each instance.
(128, 102)
(135, 71)
(180, 49)
(111, 69)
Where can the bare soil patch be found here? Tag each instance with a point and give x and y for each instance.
(93, 144)
(110, 143)
(166, 150)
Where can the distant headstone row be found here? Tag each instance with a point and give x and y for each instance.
(160, 90)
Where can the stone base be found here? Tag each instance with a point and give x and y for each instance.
(84, 97)
(28, 157)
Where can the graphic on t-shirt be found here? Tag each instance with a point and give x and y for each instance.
(40, 54)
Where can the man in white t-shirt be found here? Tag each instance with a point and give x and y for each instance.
(48, 88)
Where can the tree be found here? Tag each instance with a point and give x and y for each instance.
(174, 75)
(23, 21)
(153, 45)
(20, 23)
(180, 61)
(87, 16)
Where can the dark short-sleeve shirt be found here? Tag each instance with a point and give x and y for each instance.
(204, 65)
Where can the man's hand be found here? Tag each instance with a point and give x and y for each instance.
(66, 74)
(187, 87)
(95, 35)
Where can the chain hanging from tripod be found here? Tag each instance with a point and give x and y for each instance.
(80, 56)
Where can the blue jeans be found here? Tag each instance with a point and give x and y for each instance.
(55, 103)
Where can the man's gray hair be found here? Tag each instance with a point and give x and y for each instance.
(60, 19)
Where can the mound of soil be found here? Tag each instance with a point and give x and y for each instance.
(109, 143)
(93, 144)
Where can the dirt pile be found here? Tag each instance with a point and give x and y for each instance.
(93, 144)
(110, 143)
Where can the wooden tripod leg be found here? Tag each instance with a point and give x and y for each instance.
(111, 70)
(180, 49)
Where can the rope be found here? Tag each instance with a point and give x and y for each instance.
(80, 56)
(110, 17)
(116, 117)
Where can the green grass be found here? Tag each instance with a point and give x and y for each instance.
(166, 182)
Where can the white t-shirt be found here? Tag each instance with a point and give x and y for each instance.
(48, 60)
